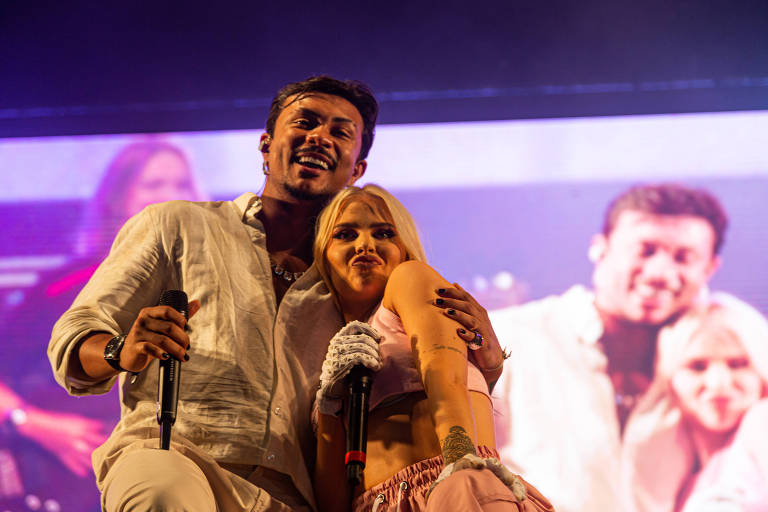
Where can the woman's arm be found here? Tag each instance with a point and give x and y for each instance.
(331, 489)
(473, 319)
(440, 354)
(355, 344)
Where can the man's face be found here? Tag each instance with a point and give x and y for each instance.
(313, 152)
(651, 267)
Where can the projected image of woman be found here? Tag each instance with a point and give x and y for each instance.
(48, 449)
(431, 412)
(697, 442)
(142, 173)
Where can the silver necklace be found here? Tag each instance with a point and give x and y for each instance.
(279, 271)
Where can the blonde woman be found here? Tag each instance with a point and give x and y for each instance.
(430, 411)
(696, 442)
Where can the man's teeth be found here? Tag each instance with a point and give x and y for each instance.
(313, 161)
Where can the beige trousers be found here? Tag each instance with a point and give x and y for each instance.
(150, 479)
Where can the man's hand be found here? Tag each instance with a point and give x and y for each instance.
(158, 333)
(485, 351)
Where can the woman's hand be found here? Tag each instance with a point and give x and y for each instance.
(474, 328)
(357, 343)
(472, 461)
(70, 437)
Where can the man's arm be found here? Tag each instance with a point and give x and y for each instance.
(157, 333)
(132, 276)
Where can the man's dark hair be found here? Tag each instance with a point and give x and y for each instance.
(670, 199)
(357, 93)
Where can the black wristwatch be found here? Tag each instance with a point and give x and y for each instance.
(112, 352)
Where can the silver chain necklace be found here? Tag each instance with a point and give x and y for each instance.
(280, 272)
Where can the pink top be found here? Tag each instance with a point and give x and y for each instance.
(400, 375)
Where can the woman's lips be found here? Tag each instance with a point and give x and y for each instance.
(366, 261)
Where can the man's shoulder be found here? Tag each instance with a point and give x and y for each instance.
(181, 207)
(553, 321)
(545, 307)
(190, 214)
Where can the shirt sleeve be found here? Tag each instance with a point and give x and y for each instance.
(132, 277)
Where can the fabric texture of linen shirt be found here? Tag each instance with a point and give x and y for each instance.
(247, 390)
(556, 414)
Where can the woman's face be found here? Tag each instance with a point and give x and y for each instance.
(164, 177)
(716, 383)
(364, 250)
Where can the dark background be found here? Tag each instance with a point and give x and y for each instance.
(113, 67)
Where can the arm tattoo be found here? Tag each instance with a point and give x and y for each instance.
(445, 347)
(456, 444)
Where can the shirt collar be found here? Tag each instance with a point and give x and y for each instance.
(582, 315)
(249, 205)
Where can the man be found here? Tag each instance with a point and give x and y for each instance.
(242, 440)
(259, 325)
(580, 361)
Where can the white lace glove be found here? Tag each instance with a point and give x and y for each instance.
(356, 343)
(471, 461)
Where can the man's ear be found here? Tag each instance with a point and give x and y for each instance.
(357, 172)
(264, 142)
(597, 247)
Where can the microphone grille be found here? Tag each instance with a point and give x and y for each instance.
(177, 299)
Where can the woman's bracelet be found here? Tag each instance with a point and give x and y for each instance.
(504, 356)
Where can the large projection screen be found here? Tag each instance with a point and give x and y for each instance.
(505, 208)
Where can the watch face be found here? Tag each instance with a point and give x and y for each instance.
(112, 350)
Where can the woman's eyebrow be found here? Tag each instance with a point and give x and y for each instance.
(355, 224)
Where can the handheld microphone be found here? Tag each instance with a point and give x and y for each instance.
(359, 381)
(169, 375)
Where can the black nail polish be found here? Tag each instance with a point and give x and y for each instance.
(166, 355)
(186, 357)
(439, 302)
(462, 331)
(451, 311)
(440, 291)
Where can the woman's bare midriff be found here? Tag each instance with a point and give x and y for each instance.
(403, 433)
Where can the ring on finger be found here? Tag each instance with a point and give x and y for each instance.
(478, 339)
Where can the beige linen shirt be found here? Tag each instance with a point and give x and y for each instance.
(247, 390)
(556, 414)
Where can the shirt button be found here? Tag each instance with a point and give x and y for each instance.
(271, 457)
(277, 411)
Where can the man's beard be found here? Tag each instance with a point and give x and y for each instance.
(307, 195)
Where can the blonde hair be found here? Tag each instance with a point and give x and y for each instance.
(748, 325)
(402, 220)
(656, 430)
